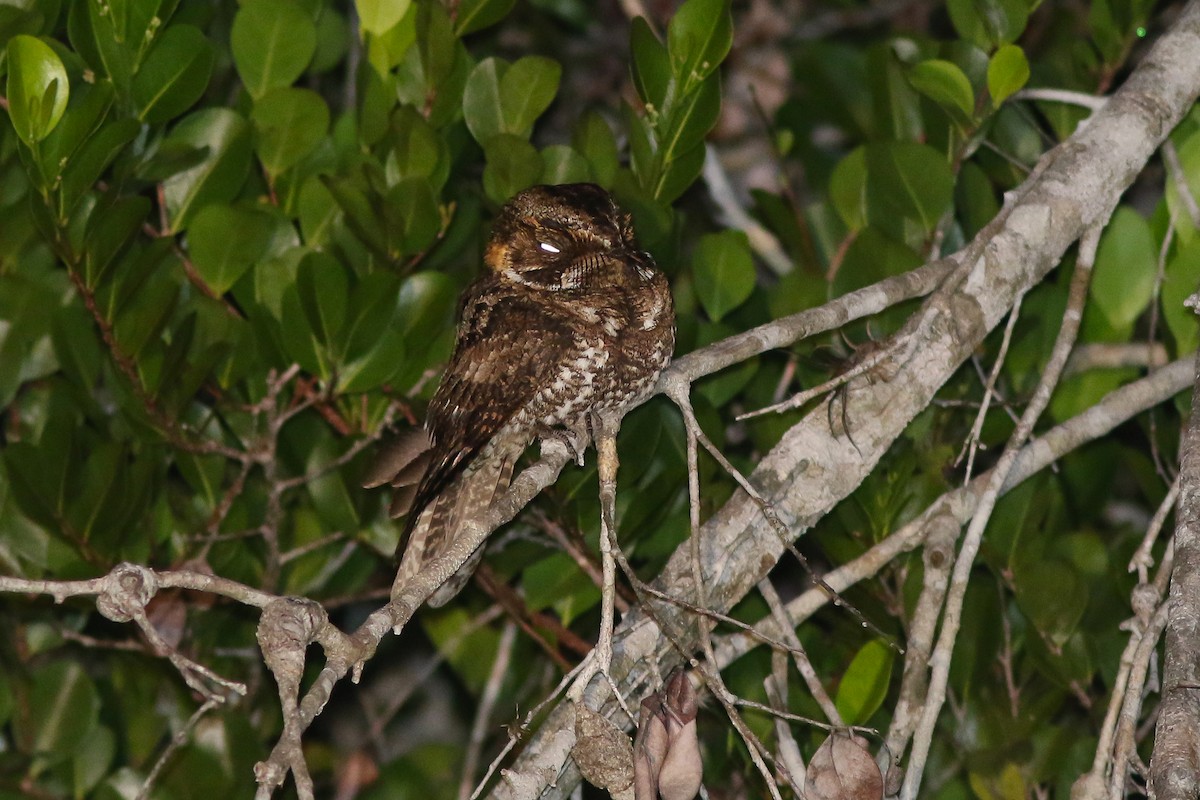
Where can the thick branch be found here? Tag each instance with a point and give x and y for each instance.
(1175, 764)
(812, 468)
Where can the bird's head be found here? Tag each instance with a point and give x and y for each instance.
(568, 236)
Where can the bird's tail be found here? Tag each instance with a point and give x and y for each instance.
(468, 497)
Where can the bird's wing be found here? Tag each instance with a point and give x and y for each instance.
(510, 345)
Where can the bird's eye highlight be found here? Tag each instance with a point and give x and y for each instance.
(549, 248)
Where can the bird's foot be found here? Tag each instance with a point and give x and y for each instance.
(576, 440)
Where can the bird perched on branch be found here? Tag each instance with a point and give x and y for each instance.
(570, 321)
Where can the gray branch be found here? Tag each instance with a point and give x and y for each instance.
(1075, 186)
(1175, 762)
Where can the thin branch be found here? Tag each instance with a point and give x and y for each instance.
(972, 444)
(942, 654)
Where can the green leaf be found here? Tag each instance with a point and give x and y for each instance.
(225, 242)
(651, 65)
(848, 189)
(1189, 163)
(865, 682)
(906, 179)
(377, 17)
(724, 272)
(318, 211)
(89, 161)
(594, 139)
(1180, 281)
(216, 179)
(174, 74)
(513, 164)
(110, 228)
(360, 214)
(527, 90)
(1051, 594)
(1126, 264)
(373, 339)
(322, 285)
(698, 39)
(483, 108)
(85, 114)
(37, 88)
(499, 98)
(412, 215)
(272, 41)
(945, 84)
(63, 711)
(289, 123)
(563, 164)
(1008, 72)
(475, 15)
(680, 174)
(426, 302)
(988, 23)
(418, 150)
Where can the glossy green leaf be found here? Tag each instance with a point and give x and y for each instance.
(848, 189)
(109, 230)
(724, 272)
(377, 17)
(483, 108)
(906, 179)
(289, 123)
(174, 74)
(63, 710)
(417, 149)
(864, 685)
(594, 140)
(438, 49)
(698, 39)
(91, 160)
(426, 302)
(1051, 594)
(86, 112)
(361, 215)
(513, 164)
(273, 41)
(475, 15)
(527, 90)
(680, 174)
(1179, 283)
(501, 98)
(1189, 163)
(988, 23)
(322, 285)
(37, 89)
(1008, 72)
(225, 241)
(1126, 265)
(372, 339)
(945, 84)
(412, 215)
(563, 164)
(318, 212)
(651, 65)
(225, 135)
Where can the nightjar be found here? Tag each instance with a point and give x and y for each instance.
(569, 320)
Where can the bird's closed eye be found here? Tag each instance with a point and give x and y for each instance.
(549, 248)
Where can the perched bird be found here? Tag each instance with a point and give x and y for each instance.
(569, 320)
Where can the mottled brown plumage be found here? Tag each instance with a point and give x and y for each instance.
(570, 320)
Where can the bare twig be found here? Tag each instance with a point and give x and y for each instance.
(941, 657)
(972, 444)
